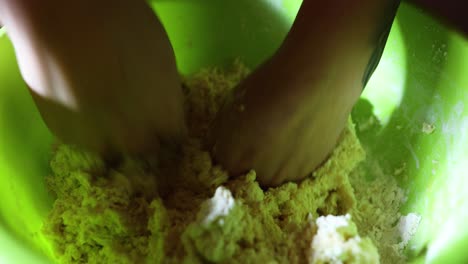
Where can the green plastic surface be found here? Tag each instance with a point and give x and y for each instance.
(421, 79)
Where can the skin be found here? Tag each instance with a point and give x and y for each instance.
(286, 118)
(102, 73)
(103, 76)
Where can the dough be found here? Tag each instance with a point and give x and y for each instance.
(180, 207)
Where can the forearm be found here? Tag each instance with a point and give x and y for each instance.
(338, 32)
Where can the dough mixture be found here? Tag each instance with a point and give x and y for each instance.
(179, 207)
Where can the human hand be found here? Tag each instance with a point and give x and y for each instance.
(286, 118)
(102, 73)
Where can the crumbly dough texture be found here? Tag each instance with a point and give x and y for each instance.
(337, 241)
(179, 207)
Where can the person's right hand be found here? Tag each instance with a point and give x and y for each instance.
(102, 73)
(285, 119)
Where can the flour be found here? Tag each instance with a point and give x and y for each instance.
(337, 241)
(180, 207)
(216, 208)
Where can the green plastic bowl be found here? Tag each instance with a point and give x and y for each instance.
(420, 80)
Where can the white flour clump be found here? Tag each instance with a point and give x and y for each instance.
(216, 208)
(408, 226)
(337, 241)
(217, 229)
